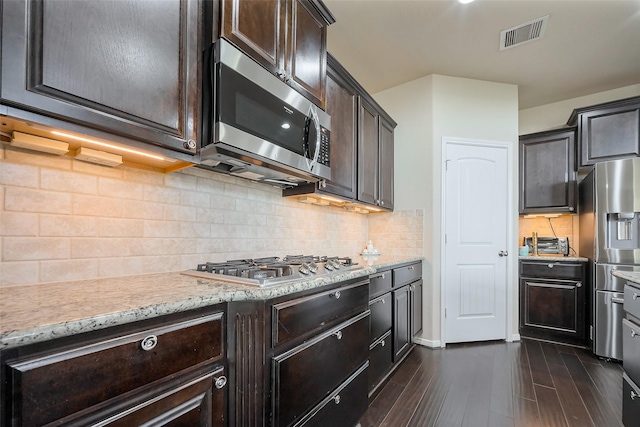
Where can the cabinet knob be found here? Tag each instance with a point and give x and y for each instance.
(633, 333)
(336, 295)
(571, 208)
(337, 399)
(411, 267)
(579, 285)
(635, 296)
(633, 395)
(382, 343)
(550, 265)
(221, 382)
(190, 144)
(149, 342)
(338, 335)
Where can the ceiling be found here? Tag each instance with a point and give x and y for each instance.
(588, 46)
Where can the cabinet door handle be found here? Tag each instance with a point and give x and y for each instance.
(376, 276)
(149, 342)
(221, 382)
(338, 335)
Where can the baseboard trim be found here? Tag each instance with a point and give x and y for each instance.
(515, 337)
(428, 343)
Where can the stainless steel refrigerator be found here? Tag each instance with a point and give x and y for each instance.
(609, 209)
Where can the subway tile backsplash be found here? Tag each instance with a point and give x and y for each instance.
(64, 219)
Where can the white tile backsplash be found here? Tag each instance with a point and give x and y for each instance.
(64, 219)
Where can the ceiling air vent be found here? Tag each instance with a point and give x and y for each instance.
(524, 33)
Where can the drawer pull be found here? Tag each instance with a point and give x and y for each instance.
(338, 335)
(578, 284)
(382, 343)
(378, 276)
(149, 342)
(379, 300)
(635, 296)
(411, 267)
(221, 382)
(337, 399)
(634, 395)
(550, 265)
(335, 295)
(633, 333)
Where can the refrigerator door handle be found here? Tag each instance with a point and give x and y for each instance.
(617, 300)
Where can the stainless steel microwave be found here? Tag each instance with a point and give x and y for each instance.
(259, 127)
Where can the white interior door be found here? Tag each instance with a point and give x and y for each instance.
(476, 229)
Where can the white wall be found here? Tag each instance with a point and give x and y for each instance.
(429, 109)
(551, 116)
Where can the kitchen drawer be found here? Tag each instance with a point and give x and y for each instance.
(632, 300)
(407, 274)
(552, 269)
(631, 349)
(304, 375)
(343, 407)
(381, 316)
(380, 359)
(379, 283)
(630, 401)
(297, 317)
(47, 388)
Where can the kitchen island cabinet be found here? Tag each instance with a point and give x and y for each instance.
(553, 300)
(548, 177)
(607, 131)
(288, 37)
(127, 71)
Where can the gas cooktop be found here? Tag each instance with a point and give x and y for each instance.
(272, 271)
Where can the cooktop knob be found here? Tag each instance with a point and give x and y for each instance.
(313, 267)
(328, 266)
(304, 269)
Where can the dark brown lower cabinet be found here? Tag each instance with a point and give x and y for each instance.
(167, 371)
(402, 338)
(416, 306)
(380, 359)
(552, 301)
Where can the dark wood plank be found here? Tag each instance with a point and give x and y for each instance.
(573, 406)
(479, 400)
(608, 382)
(408, 368)
(498, 420)
(562, 348)
(382, 404)
(598, 407)
(538, 364)
(525, 413)
(551, 354)
(501, 383)
(551, 413)
(522, 381)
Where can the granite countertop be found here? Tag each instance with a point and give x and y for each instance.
(39, 312)
(554, 258)
(631, 276)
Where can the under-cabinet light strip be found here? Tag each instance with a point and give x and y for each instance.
(104, 144)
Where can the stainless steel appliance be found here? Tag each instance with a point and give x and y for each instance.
(609, 208)
(260, 128)
(274, 271)
(549, 245)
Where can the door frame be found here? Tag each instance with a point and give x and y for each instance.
(511, 273)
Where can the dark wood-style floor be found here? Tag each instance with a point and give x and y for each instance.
(527, 383)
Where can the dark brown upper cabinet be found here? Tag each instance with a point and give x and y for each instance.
(126, 68)
(375, 156)
(547, 172)
(607, 131)
(288, 37)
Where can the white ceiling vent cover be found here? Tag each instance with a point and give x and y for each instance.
(523, 33)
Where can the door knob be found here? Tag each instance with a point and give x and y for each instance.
(503, 253)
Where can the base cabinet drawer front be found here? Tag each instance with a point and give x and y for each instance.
(294, 318)
(550, 305)
(197, 402)
(631, 349)
(630, 401)
(380, 359)
(47, 388)
(381, 316)
(632, 300)
(405, 275)
(303, 376)
(555, 270)
(343, 407)
(380, 283)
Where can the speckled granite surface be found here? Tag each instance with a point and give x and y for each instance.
(628, 275)
(33, 313)
(554, 258)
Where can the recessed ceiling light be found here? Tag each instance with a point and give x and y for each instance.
(464, 1)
